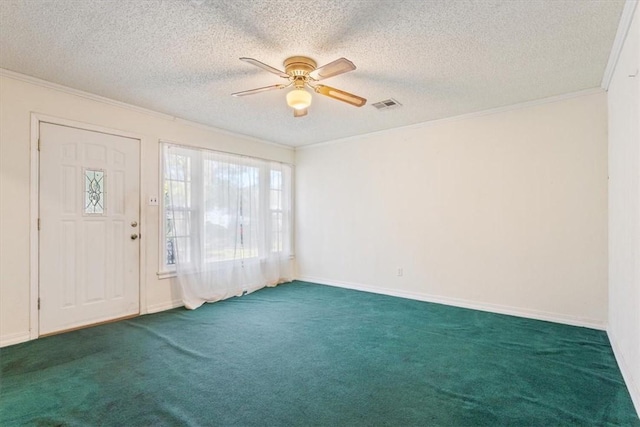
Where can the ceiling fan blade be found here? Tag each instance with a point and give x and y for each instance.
(265, 67)
(258, 90)
(339, 66)
(340, 95)
(300, 113)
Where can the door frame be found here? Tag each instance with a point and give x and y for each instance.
(34, 212)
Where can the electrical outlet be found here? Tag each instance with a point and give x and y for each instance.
(400, 272)
(153, 201)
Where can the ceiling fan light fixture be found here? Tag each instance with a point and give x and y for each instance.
(298, 99)
(301, 72)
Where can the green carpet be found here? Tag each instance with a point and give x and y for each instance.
(304, 354)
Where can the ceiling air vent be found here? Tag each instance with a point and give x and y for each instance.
(387, 104)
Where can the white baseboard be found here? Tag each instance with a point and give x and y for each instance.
(16, 338)
(632, 386)
(456, 302)
(156, 308)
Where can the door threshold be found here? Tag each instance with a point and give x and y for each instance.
(91, 325)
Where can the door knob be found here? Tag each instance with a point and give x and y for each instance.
(134, 224)
(134, 236)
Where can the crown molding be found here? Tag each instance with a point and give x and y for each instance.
(87, 95)
(623, 29)
(80, 93)
(437, 122)
(104, 100)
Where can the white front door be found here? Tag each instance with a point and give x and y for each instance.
(89, 215)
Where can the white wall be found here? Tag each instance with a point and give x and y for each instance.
(506, 212)
(624, 210)
(17, 100)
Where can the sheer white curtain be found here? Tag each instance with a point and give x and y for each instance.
(228, 222)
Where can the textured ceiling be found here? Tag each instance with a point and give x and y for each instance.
(438, 58)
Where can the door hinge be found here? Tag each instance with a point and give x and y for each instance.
(38, 223)
(38, 303)
(38, 144)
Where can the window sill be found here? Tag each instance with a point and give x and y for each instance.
(166, 274)
(219, 265)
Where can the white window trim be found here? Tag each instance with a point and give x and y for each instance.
(167, 272)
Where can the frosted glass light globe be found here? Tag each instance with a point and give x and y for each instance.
(299, 99)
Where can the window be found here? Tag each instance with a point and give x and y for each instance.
(177, 175)
(276, 208)
(219, 207)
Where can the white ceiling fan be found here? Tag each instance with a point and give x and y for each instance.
(301, 71)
